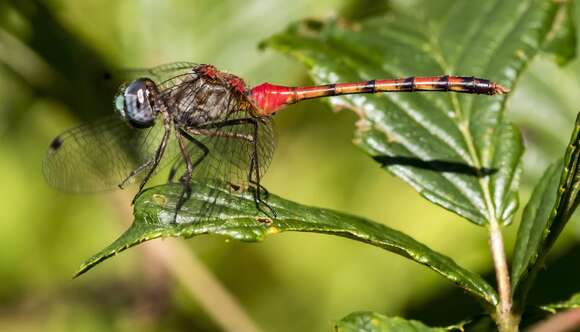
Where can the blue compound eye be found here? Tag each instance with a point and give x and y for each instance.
(136, 103)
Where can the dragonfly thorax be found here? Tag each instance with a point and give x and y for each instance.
(136, 103)
(205, 100)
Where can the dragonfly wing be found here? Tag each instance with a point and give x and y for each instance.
(168, 70)
(99, 156)
(234, 149)
(230, 151)
(158, 74)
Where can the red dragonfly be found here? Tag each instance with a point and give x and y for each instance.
(207, 124)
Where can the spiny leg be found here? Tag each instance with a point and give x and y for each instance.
(254, 162)
(173, 170)
(255, 165)
(135, 172)
(258, 185)
(189, 166)
(153, 163)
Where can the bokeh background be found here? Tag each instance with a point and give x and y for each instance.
(53, 55)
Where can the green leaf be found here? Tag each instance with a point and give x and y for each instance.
(553, 202)
(572, 303)
(535, 220)
(458, 151)
(561, 41)
(239, 219)
(374, 322)
(544, 105)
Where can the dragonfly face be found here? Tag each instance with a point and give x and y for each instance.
(137, 103)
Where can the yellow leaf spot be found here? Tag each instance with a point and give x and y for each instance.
(273, 230)
(159, 199)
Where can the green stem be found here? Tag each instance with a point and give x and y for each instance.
(504, 317)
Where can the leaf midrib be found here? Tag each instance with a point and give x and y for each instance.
(466, 136)
(461, 121)
(432, 36)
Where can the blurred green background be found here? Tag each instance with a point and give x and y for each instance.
(52, 58)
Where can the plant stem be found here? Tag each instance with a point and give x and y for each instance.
(504, 318)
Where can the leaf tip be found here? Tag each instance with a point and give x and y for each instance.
(84, 268)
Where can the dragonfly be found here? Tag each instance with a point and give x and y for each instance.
(203, 123)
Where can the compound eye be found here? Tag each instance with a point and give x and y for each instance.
(136, 103)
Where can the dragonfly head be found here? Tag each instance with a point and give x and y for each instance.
(136, 103)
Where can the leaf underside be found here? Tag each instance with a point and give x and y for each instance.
(553, 202)
(239, 219)
(458, 151)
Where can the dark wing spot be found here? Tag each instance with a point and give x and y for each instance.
(56, 143)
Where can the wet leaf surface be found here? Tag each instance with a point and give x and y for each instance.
(235, 216)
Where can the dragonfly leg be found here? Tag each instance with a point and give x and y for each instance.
(255, 166)
(255, 183)
(254, 172)
(173, 170)
(189, 167)
(154, 163)
(135, 172)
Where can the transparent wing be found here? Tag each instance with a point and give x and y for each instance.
(165, 71)
(231, 150)
(158, 74)
(99, 156)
